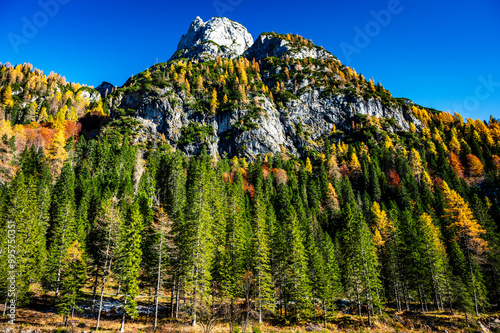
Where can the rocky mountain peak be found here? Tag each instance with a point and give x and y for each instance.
(275, 45)
(105, 88)
(206, 40)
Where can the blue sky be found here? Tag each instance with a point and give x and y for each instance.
(441, 54)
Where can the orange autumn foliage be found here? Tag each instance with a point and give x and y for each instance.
(464, 226)
(47, 135)
(496, 162)
(72, 129)
(476, 168)
(456, 164)
(393, 178)
(280, 176)
(248, 188)
(265, 170)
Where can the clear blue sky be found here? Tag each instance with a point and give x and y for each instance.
(441, 54)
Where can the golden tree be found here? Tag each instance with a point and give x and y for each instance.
(416, 163)
(214, 104)
(475, 166)
(354, 165)
(309, 167)
(332, 200)
(456, 164)
(467, 232)
(383, 225)
(496, 162)
(7, 97)
(56, 154)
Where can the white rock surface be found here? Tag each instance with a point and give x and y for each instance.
(270, 46)
(219, 35)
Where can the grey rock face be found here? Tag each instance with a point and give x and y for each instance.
(277, 129)
(299, 123)
(219, 35)
(105, 88)
(91, 94)
(267, 45)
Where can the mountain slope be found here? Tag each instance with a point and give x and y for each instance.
(283, 94)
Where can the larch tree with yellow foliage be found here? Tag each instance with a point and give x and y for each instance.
(7, 97)
(73, 278)
(309, 167)
(476, 168)
(435, 258)
(354, 165)
(332, 201)
(416, 164)
(214, 104)
(468, 233)
(387, 243)
(57, 154)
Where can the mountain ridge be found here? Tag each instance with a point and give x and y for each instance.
(280, 93)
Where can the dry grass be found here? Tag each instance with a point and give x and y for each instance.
(35, 321)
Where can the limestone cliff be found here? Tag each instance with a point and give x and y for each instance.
(291, 96)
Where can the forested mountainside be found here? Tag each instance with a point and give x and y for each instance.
(175, 186)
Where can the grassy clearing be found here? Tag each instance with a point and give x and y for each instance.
(28, 320)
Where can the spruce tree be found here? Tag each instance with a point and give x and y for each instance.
(235, 255)
(468, 233)
(359, 258)
(63, 227)
(195, 237)
(261, 252)
(128, 260)
(107, 224)
(73, 278)
(24, 235)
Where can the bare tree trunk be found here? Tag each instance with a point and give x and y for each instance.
(172, 295)
(94, 292)
(324, 312)
(177, 300)
(368, 308)
(158, 278)
(58, 281)
(122, 328)
(472, 278)
(104, 274)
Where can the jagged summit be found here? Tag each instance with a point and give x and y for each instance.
(105, 88)
(219, 35)
(229, 39)
(271, 44)
(283, 93)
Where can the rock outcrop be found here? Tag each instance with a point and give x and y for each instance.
(218, 36)
(298, 125)
(105, 88)
(291, 104)
(274, 45)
